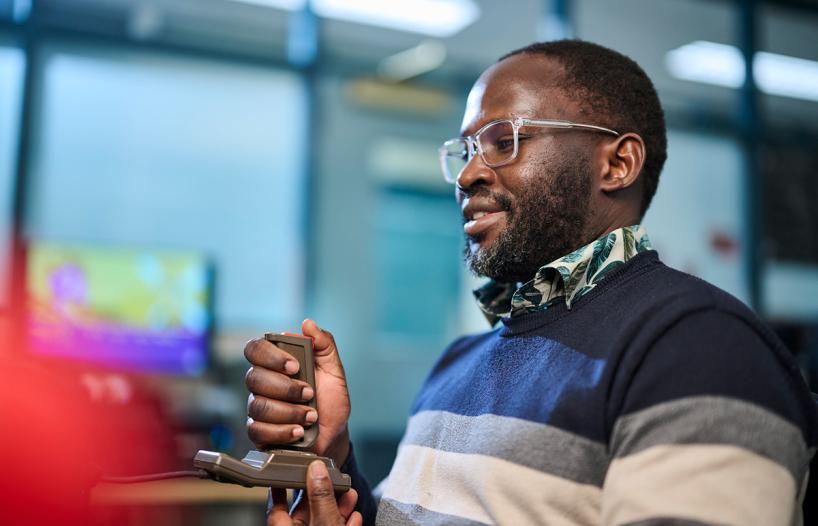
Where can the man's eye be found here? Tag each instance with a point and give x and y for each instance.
(504, 144)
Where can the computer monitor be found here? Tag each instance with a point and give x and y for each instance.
(125, 309)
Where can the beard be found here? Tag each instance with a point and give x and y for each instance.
(546, 221)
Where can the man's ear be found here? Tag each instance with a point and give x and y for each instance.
(623, 161)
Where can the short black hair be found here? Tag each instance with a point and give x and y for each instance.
(619, 94)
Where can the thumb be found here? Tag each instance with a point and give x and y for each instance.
(321, 496)
(326, 352)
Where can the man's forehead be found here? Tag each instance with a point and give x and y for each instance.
(519, 86)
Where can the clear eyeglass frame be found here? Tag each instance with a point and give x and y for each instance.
(461, 150)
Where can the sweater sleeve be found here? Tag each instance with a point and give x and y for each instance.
(367, 504)
(716, 428)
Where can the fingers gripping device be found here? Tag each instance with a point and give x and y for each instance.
(285, 467)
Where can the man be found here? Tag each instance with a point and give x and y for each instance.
(614, 390)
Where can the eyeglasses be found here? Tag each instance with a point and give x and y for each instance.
(498, 143)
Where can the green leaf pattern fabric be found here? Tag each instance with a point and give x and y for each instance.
(565, 279)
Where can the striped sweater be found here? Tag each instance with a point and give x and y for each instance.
(656, 399)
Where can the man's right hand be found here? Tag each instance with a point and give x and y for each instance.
(275, 408)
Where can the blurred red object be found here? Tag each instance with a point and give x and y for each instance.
(63, 428)
(49, 444)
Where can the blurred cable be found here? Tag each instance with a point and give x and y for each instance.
(197, 473)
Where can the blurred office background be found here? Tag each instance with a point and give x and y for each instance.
(179, 176)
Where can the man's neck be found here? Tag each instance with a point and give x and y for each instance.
(569, 277)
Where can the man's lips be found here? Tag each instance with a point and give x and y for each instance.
(483, 212)
(482, 221)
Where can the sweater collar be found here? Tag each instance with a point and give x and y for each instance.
(565, 279)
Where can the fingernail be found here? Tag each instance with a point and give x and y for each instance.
(318, 470)
(311, 417)
(298, 432)
(291, 367)
(307, 393)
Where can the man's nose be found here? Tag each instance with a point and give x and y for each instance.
(475, 173)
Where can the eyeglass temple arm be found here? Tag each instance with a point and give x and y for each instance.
(565, 124)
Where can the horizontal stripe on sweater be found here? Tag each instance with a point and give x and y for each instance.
(714, 420)
(396, 513)
(707, 483)
(486, 489)
(529, 444)
(534, 378)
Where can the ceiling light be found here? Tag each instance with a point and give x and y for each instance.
(289, 5)
(786, 76)
(723, 65)
(439, 18)
(707, 62)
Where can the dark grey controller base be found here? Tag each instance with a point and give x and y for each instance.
(277, 468)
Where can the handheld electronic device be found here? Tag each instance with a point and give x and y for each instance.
(284, 467)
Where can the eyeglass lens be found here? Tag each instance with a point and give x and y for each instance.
(457, 155)
(496, 143)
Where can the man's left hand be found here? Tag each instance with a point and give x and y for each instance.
(319, 507)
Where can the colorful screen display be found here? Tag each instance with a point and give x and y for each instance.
(126, 309)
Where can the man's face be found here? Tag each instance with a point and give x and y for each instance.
(536, 208)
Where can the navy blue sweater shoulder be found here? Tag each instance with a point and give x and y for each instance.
(646, 334)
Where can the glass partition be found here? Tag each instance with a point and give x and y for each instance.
(169, 152)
